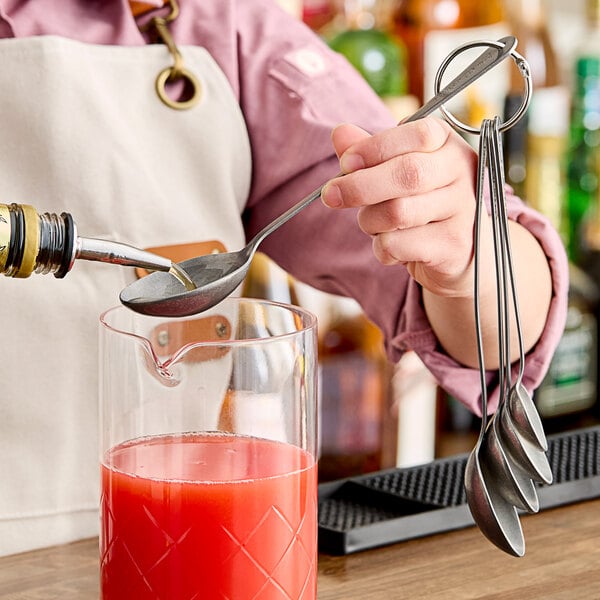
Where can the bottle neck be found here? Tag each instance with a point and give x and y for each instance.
(593, 13)
(367, 14)
(361, 14)
(33, 243)
(56, 245)
(526, 13)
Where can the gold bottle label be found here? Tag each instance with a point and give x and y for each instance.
(32, 241)
(4, 235)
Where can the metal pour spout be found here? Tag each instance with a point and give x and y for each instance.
(32, 242)
(117, 253)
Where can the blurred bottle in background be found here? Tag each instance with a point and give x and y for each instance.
(364, 39)
(358, 430)
(584, 142)
(583, 156)
(527, 22)
(568, 396)
(267, 281)
(545, 145)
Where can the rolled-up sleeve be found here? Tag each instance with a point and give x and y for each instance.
(414, 331)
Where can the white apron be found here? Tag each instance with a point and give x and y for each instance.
(82, 130)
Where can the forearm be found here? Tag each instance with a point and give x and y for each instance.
(453, 319)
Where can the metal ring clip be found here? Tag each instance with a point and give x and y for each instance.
(177, 71)
(171, 74)
(523, 67)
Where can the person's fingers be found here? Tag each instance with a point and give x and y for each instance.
(405, 213)
(409, 174)
(359, 151)
(407, 160)
(433, 244)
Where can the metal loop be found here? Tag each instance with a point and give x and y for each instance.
(169, 74)
(177, 71)
(523, 67)
(168, 18)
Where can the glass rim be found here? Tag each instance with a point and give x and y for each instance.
(308, 321)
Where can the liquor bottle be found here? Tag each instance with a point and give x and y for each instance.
(567, 396)
(268, 281)
(265, 280)
(527, 22)
(584, 143)
(431, 29)
(32, 242)
(358, 431)
(375, 53)
(546, 141)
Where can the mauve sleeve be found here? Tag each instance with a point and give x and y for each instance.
(293, 91)
(414, 332)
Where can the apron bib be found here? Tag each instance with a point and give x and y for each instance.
(83, 131)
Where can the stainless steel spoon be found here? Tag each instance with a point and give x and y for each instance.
(218, 275)
(495, 516)
(509, 468)
(525, 441)
(506, 475)
(520, 405)
(524, 452)
(525, 416)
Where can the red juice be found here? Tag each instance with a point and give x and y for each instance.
(208, 516)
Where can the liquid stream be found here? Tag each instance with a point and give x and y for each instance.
(182, 277)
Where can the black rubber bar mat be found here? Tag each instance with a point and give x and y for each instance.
(399, 504)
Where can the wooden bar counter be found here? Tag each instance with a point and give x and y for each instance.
(562, 562)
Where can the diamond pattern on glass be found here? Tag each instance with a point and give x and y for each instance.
(286, 571)
(285, 566)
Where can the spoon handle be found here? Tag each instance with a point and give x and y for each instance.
(481, 65)
(286, 216)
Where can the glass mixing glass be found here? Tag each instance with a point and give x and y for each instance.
(208, 454)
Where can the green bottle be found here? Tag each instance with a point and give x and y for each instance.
(584, 142)
(371, 49)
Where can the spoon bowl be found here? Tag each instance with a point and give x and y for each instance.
(523, 451)
(525, 417)
(506, 475)
(214, 275)
(495, 516)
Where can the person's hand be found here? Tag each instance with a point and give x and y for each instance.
(414, 186)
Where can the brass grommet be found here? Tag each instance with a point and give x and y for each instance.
(173, 74)
(162, 337)
(221, 329)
